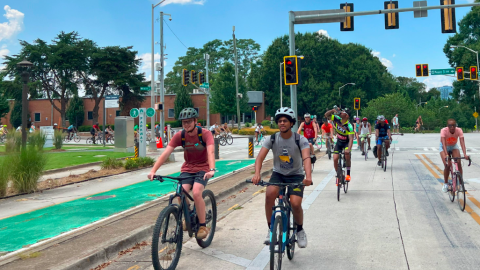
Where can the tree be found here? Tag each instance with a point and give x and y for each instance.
(412, 87)
(389, 105)
(182, 101)
(4, 106)
(76, 111)
(16, 116)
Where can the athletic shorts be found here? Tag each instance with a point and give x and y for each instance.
(280, 178)
(198, 179)
(213, 132)
(450, 148)
(395, 126)
(340, 146)
(381, 139)
(311, 140)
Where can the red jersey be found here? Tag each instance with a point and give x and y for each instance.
(308, 130)
(327, 127)
(96, 127)
(196, 158)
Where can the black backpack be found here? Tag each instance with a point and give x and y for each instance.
(199, 134)
(297, 142)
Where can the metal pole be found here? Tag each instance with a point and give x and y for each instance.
(281, 90)
(104, 121)
(293, 88)
(207, 91)
(476, 126)
(236, 78)
(24, 109)
(152, 81)
(162, 74)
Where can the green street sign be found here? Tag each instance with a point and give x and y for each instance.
(442, 71)
(205, 85)
(134, 112)
(150, 112)
(145, 88)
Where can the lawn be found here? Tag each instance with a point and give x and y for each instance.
(72, 147)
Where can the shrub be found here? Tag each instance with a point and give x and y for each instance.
(130, 163)
(4, 176)
(145, 161)
(58, 139)
(13, 142)
(111, 163)
(84, 128)
(37, 139)
(26, 167)
(134, 163)
(248, 124)
(266, 123)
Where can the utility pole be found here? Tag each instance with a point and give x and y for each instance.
(281, 83)
(207, 90)
(162, 74)
(236, 79)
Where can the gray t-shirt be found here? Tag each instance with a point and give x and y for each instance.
(287, 159)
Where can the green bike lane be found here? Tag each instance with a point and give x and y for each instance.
(32, 227)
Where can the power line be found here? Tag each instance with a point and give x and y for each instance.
(175, 34)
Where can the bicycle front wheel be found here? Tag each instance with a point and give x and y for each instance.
(89, 141)
(77, 138)
(276, 253)
(452, 191)
(460, 192)
(223, 142)
(291, 236)
(229, 139)
(167, 239)
(345, 183)
(210, 217)
(339, 180)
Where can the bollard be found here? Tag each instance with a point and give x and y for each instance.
(250, 147)
(136, 150)
(217, 148)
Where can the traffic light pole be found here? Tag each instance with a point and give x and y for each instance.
(207, 91)
(293, 88)
(236, 79)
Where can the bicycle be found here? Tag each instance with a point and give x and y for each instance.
(341, 172)
(111, 139)
(3, 138)
(260, 138)
(225, 139)
(330, 147)
(365, 145)
(168, 231)
(456, 184)
(383, 159)
(281, 237)
(75, 137)
(98, 139)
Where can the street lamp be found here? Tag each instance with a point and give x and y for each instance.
(281, 85)
(442, 108)
(339, 92)
(24, 66)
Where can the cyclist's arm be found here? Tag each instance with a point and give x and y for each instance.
(328, 114)
(369, 128)
(300, 128)
(211, 157)
(316, 132)
(307, 164)
(350, 143)
(444, 144)
(376, 133)
(389, 134)
(259, 162)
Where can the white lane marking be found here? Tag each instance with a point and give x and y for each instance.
(425, 149)
(473, 149)
(219, 254)
(263, 258)
(433, 148)
(397, 148)
(230, 163)
(476, 180)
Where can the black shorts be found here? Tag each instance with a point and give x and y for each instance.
(339, 146)
(198, 179)
(311, 140)
(213, 132)
(280, 178)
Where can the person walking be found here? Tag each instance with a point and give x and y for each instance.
(395, 124)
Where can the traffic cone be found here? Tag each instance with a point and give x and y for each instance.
(159, 143)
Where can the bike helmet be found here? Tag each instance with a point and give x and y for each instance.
(188, 113)
(307, 115)
(346, 110)
(364, 119)
(287, 112)
(381, 118)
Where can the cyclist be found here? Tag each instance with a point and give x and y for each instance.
(382, 133)
(199, 160)
(259, 128)
(418, 123)
(108, 133)
(94, 131)
(365, 131)
(448, 143)
(214, 130)
(289, 150)
(157, 131)
(32, 127)
(345, 133)
(327, 131)
(70, 129)
(357, 129)
(309, 132)
(225, 128)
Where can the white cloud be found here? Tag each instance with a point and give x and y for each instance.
(438, 81)
(146, 67)
(322, 32)
(184, 2)
(14, 25)
(387, 63)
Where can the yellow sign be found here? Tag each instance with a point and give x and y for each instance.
(475, 114)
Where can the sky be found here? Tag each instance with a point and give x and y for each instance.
(196, 22)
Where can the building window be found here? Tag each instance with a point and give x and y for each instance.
(117, 113)
(90, 115)
(171, 113)
(37, 117)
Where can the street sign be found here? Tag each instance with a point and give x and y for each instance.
(475, 114)
(145, 88)
(134, 112)
(150, 112)
(142, 133)
(205, 85)
(443, 71)
(111, 101)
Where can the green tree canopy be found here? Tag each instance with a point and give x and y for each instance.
(76, 111)
(182, 101)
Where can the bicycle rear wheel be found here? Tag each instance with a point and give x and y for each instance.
(291, 236)
(460, 192)
(276, 253)
(89, 141)
(210, 219)
(76, 138)
(167, 239)
(229, 139)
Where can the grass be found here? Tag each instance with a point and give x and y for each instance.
(82, 147)
(25, 256)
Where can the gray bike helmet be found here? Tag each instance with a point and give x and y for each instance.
(188, 113)
(381, 118)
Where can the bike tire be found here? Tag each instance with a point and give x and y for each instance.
(77, 138)
(345, 183)
(66, 139)
(211, 217)
(339, 179)
(451, 193)
(291, 235)
(229, 139)
(461, 199)
(276, 245)
(365, 150)
(164, 219)
(89, 141)
(222, 141)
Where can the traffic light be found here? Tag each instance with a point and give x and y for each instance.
(448, 17)
(473, 73)
(348, 24)
(356, 104)
(185, 77)
(290, 65)
(391, 19)
(193, 75)
(254, 108)
(425, 70)
(201, 78)
(460, 75)
(418, 70)
(158, 106)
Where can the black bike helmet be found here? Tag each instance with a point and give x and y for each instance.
(188, 113)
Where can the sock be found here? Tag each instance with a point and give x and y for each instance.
(269, 225)
(202, 225)
(348, 170)
(299, 228)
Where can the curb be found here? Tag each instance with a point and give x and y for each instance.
(110, 252)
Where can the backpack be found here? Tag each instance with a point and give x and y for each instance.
(199, 134)
(297, 142)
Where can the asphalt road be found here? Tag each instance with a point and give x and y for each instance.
(398, 219)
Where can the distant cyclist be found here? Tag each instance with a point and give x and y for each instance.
(418, 123)
(327, 131)
(382, 133)
(70, 130)
(309, 132)
(259, 128)
(365, 131)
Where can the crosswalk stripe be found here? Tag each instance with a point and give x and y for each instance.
(425, 149)
(433, 148)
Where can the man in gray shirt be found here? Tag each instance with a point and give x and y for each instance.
(291, 162)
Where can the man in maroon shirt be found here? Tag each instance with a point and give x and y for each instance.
(199, 160)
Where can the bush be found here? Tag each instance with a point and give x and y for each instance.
(251, 131)
(134, 163)
(145, 161)
(248, 124)
(130, 163)
(88, 128)
(26, 167)
(4, 176)
(13, 142)
(266, 123)
(37, 139)
(111, 163)
(58, 139)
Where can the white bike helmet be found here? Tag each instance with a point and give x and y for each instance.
(306, 115)
(381, 118)
(287, 112)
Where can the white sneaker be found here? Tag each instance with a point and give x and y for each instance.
(302, 239)
(445, 188)
(267, 239)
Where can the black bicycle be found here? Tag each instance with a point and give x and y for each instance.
(383, 159)
(341, 172)
(168, 232)
(283, 231)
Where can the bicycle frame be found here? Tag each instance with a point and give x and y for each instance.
(282, 208)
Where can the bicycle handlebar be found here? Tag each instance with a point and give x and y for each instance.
(263, 183)
(456, 158)
(161, 177)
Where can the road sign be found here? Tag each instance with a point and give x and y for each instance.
(443, 71)
(134, 112)
(145, 88)
(475, 114)
(205, 85)
(150, 112)
(142, 133)
(111, 101)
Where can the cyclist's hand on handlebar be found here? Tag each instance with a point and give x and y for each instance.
(256, 178)
(467, 157)
(151, 175)
(307, 182)
(208, 175)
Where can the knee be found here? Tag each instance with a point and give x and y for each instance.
(270, 196)
(296, 204)
(197, 194)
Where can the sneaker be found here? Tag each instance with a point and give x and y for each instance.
(302, 239)
(379, 163)
(387, 153)
(375, 151)
(202, 232)
(267, 239)
(348, 178)
(363, 153)
(445, 188)
(369, 148)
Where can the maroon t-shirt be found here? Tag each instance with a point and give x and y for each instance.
(196, 157)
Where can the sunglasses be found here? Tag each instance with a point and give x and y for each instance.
(451, 125)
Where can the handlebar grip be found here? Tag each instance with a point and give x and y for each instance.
(469, 161)
(248, 181)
